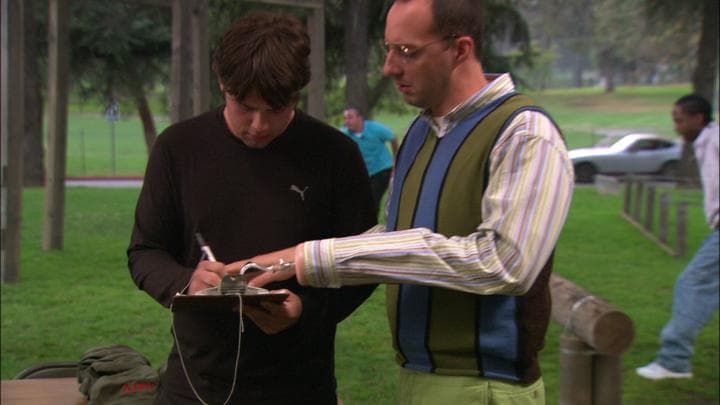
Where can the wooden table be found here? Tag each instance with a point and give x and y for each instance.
(41, 391)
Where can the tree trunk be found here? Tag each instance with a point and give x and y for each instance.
(578, 63)
(33, 152)
(378, 91)
(607, 67)
(609, 80)
(707, 55)
(356, 53)
(147, 119)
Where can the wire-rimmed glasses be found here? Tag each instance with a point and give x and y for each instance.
(409, 52)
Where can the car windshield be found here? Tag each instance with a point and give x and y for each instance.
(607, 142)
(623, 143)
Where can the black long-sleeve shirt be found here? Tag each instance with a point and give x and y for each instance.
(309, 183)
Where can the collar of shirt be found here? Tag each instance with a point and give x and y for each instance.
(353, 133)
(497, 86)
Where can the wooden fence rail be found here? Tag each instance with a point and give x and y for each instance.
(643, 217)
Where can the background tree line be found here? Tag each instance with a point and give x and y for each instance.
(626, 42)
(121, 51)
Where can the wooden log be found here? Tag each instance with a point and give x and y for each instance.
(606, 329)
(607, 380)
(575, 371)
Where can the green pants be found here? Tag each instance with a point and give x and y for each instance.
(416, 388)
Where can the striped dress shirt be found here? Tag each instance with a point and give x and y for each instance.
(524, 208)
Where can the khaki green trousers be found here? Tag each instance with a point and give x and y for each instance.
(416, 388)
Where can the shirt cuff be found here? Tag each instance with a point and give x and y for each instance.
(319, 268)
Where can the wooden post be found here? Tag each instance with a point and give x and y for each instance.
(58, 72)
(650, 208)
(663, 223)
(12, 121)
(638, 200)
(576, 380)
(316, 88)
(596, 322)
(607, 380)
(628, 195)
(200, 57)
(681, 228)
(180, 69)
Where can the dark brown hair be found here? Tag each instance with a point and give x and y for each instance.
(267, 53)
(459, 18)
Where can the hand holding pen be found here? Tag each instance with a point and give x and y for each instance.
(205, 248)
(209, 272)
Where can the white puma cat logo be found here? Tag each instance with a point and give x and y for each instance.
(301, 192)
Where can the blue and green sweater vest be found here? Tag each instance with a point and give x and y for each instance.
(439, 184)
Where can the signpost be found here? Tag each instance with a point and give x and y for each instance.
(112, 114)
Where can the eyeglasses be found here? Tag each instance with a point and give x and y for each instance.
(410, 52)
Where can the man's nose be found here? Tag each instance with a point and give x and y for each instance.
(259, 122)
(391, 67)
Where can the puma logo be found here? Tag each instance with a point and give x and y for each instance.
(301, 192)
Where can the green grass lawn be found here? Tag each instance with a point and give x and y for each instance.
(70, 300)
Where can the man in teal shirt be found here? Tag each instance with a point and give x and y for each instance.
(371, 137)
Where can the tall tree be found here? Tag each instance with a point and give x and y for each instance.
(704, 77)
(617, 37)
(120, 49)
(356, 44)
(354, 30)
(617, 30)
(565, 28)
(505, 30)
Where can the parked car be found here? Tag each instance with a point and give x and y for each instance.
(632, 153)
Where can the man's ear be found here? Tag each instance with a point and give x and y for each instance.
(222, 88)
(465, 48)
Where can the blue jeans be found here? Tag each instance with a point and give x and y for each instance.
(694, 304)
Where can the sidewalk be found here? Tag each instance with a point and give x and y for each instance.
(119, 182)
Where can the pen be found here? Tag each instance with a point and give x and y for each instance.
(204, 247)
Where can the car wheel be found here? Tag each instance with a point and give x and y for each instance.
(670, 170)
(585, 172)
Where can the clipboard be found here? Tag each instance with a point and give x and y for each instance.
(211, 300)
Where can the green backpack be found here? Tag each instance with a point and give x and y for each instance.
(117, 374)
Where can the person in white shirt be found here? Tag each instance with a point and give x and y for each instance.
(695, 300)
